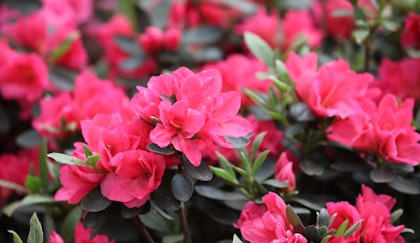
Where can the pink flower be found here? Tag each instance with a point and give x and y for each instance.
(375, 211)
(299, 23)
(267, 223)
(410, 36)
(154, 39)
(238, 79)
(55, 238)
(137, 174)
(284, 172)
(83, 235)
(70, 10)
(335, 90)
(406, 71)
(344, 211)
(296, 65)
(55, 110)
(262, 24)
(23, 77)
(193, 112)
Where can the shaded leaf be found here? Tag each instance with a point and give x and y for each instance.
(396, 215)
(323, 218)
(245, 7)
(239, 142)
(209, 54)
(360, 35)
(163, 196)
(159, 14)
(294, 219)
(275, 183)
(4, 120)
(182, 187)
(132, 63)
(301, 112)
(63, 78)
(382, 174)
(202, 172)
(66, 159)
(217, 194)
(202, 35)
(158, 150)
(307, 203)
(259, 48)
(128, 45)
(129, 213)
(311, 168)
(94, 201)
(13, 186)
(69, 223)
(43, 167)
(35, 231)
(155, 221)
(311, 233)
(29, 139)
(173, 238)
(405, 185)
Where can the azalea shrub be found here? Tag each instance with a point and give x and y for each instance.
(210, 121)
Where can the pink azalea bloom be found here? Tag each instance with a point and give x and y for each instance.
(344, 210)
(237, 79)
(410, 36)
(70, 10)
(335, 90)
(55, 238)
(53, 111)
(137, 174)
(267, 223)
(154, 39)
(406, 71)
(83, 235)
(375, 210)
(23, 77)
(284, 172)
(264, 25)
(297, 65)
(297, 23)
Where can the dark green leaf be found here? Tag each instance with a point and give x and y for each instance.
(208, 54)
(294, 219)
(163, 196)
(29, 139)
(358, 13)
(35, 230)
(311, 233)
(4, 120)
(225, 164)
(382, 174)
(132, 63)
(259, 48)
(64, 46)
(176, 238)
(158, 150)
(62, 78)
(301, 112)
(266, 170)
(245, 7)
(342, 13)
(94, 201)
(202, 172)
(311, 168)
(155, 221)
(87, 151)
(43, 167)
(36, 199)
(239, 142)
(159, 14)
(128, 45)
(202, 35)
(66, 159)
(257, 143)
(129, 213)
(217, 194)
(69, 223)
(182, 187)
(405, 185)
(323, 217)
(276, 183)
(16, 237)
(307, 203)
(93, 159)
(282, 72)
(13, 186)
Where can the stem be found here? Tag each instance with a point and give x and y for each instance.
(185, 229)
(143, 231)
(367, 56)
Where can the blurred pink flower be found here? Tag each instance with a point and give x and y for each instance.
(284, 172)
(410, 36)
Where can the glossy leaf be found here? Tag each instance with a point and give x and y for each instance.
(396, 215)
(13, 186)
(275, 183)
(163, 196)
(94, 201)
(16, 237)
(129, 213)
(201, 173)
(342, 228)
(182, 187)
(405, 185)
(202, 35)
(217, 194)
(35, 231)
(158, 150)
(259, 161)
(29, 139)
(382, 174)
(239, 142)
(294, 219)
(301, 112)
(311, 168)
(66, 159)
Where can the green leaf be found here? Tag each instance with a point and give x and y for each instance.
(294, 219)
(182, 187)
(360, 35)
(342, 228)
(128, 45)
(260, 48)
(276, 183)
(16, 237)
(94, 201)
(29, 139)
(258, 98)
(282, 72)
(382, 174)
(405, 185)
(256, 144)
(36, 198)
(69, 223)
(13, 186)
(325, 239)
(352, 229)
(358, 13)
(64, 46)
(217, 194)
(202, 35)
(129, 213)
(87, 151)
(391, 26)
(301, 112)
(93, 159)
(259, 161)
(396, 215)
(223, 174)
(43, 167)
(155, 221)
(35, 230)
(132, 63)
(311, 168)
(173, 238)
(225, 164)
(342, 13)
(239, 142)
(168, 150)
(323, 217)
(236, 239)
(66, 159)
